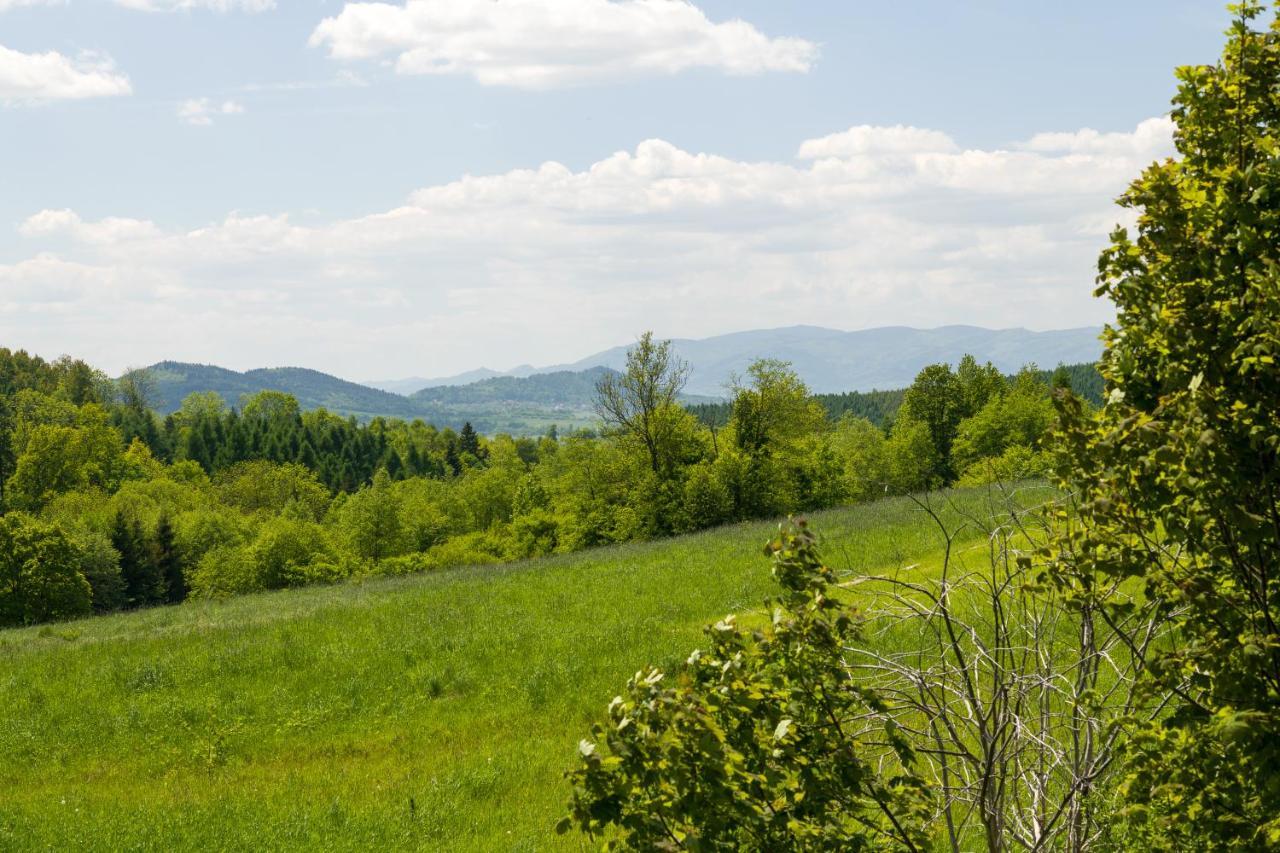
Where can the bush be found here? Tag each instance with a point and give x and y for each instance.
(1016, 463)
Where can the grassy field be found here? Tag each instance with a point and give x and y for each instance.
(431, 712)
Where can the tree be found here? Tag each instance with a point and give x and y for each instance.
(39, 573)
(774, 409)
(469, 442)
(1179, 474)
(143, 582)
(639, 401)
(168, 562)
(936, 399)
(371, 520)
(60, 456)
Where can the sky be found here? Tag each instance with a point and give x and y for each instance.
(422, 187)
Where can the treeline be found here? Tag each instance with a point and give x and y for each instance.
(879, 407)
(109, 506)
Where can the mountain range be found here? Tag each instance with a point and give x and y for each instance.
(830, 360)
(529, 400)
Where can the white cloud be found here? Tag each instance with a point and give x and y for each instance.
(189, 5)
(112, 230)
(201, 111)
(27, 77)
(1152, 134)
(872, 226)
(540, 44)
(868, 140)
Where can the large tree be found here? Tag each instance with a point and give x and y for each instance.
(1179, 475)
(641, 401)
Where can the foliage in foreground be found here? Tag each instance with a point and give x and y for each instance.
(1179, 476)
(750, 745)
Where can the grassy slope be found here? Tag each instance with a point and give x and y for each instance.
(433, 712)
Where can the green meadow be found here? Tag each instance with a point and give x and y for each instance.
(429, 712)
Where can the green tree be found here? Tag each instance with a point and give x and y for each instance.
(59, 457)
(143, 582)
(772, 410)
(39, 573)
(936, 399)
(1179, 474)
(371, 520)
(168, 562)
(640, 402)
(469, 442)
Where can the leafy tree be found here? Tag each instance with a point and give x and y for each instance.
(706, 501)
(39, 573)
(262, 486)
(937, 400)
(639, 402)
(1021, 417)
(862, 448)
(1179, 475)
(979, 384)
(913, 459)
(100, 566)
(773, 410)
(371, 520)
(60, 457)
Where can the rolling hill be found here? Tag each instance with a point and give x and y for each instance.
(173, 381)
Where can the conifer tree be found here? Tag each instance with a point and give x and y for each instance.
(167, 562)
(142, 582)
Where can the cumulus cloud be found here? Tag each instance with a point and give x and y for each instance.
(869, 140)
(27, 77)
(870, 226)
(112, 230)
(189, 5)
(201, 111)
(539, 44)
(1152, 134)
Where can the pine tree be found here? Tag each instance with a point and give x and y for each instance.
(469, 442)
(394, 467)
(167, 563)
(142, 583)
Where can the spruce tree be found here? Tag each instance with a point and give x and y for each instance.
(167, 562)
(143, 584)
(469, 442)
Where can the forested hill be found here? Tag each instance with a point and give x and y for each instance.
(521, 406)
(172, 381)
(561, 388)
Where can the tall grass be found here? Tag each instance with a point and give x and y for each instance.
(430, 712)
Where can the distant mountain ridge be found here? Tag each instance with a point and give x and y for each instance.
(833, 361)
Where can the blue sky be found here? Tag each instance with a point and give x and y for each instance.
(254, 184)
